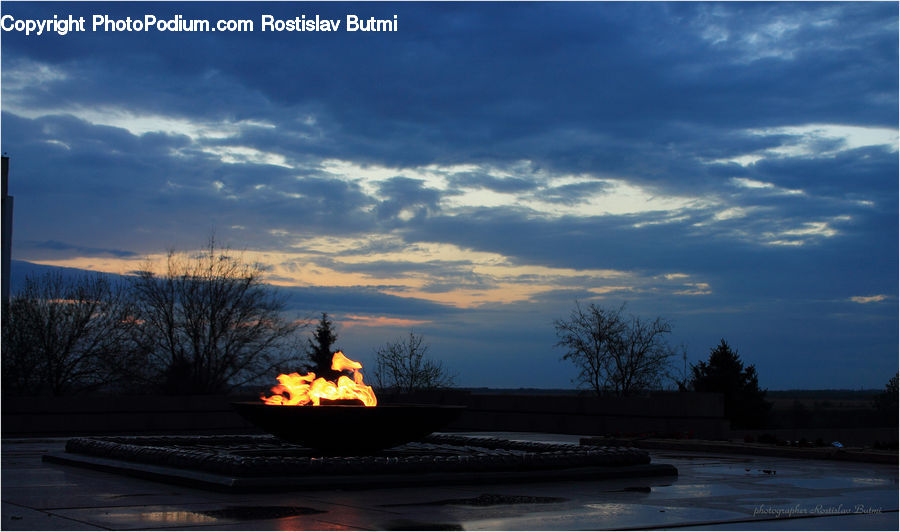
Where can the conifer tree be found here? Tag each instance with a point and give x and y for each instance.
(724, 372)
(320, 349)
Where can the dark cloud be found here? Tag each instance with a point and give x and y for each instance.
(497, 184)
(627, 67)
(61, 249)
(20, 271)
(362, 300)
(862, 173)
(404, 194)
(573, 193)
(400, 268)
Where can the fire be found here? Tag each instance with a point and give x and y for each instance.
(305, 389)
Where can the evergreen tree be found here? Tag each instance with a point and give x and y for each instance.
(320, 349)
(724, 372)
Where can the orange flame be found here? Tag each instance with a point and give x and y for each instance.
(305, 389)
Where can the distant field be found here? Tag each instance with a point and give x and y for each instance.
(826, 399)
(821, 395)
(779, 396)
(790, 408)
(526, 391)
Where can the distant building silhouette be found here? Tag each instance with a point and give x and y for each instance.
(7, 227)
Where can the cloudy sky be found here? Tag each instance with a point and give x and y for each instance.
(732, 167)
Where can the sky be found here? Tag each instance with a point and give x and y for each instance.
(730, 167)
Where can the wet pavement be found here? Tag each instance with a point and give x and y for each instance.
(712, 491)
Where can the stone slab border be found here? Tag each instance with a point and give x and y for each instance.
(210, 462)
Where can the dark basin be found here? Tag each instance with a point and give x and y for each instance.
(349, 429)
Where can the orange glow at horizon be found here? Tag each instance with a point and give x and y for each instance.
(467, 278)
(295, 269)
(355, 320)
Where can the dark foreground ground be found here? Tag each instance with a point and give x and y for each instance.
(712, 491)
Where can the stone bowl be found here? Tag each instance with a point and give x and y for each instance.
(349, 429)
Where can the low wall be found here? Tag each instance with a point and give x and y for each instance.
(92, 415)
(696, 414)
(847, 436)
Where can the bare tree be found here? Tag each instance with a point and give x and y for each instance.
(210, 322)
(67, 335)
(679, 378)
(401, 366)
(613, 352)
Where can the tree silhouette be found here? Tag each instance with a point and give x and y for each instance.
(401, 366)
(624, 354)
(65, 336)
(724, 372)
(320, 349)
(887, 402)
(210, 324)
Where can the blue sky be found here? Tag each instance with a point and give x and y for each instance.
(731, 167)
